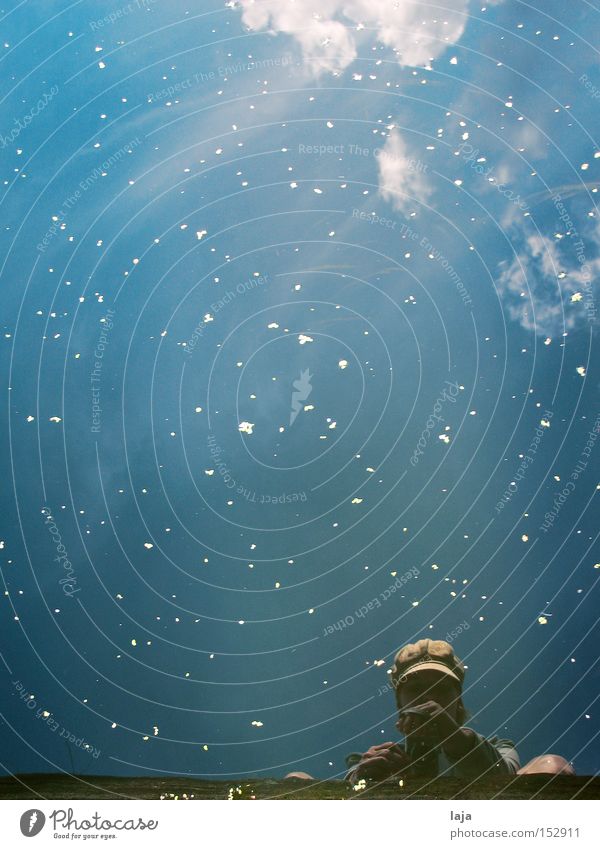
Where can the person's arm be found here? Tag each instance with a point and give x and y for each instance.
(379, 762)
(471, 754)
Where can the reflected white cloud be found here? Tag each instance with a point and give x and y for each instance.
(402, 179)
(328, 30)
(545, 292)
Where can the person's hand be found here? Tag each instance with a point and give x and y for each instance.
(435, 724)
(382, 761)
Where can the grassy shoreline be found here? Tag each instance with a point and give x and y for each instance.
(56, 786)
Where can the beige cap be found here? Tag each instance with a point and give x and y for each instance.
(426, 654)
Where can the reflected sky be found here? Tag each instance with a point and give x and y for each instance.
(299, 325)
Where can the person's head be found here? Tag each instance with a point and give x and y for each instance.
(430, 685)
(428, 670)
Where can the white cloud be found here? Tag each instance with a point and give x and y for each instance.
(401, 178)
(327, 30)
(536, 288)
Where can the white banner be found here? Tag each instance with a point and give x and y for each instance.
(290, 823)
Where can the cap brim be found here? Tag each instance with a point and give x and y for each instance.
(439, 667)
